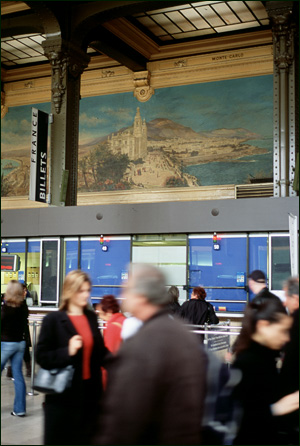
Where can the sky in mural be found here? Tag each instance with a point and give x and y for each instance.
(205, 108)
(237, 103)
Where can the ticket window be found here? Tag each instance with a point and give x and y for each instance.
(14, 270)
(168, 252)
(49, 280)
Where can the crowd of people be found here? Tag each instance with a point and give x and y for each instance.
(146, 379)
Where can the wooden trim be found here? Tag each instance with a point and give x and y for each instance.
(109, 79)
(134, 196)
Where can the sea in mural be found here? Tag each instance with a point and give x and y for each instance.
(189, 136)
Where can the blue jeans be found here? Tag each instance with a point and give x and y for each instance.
(15, 352)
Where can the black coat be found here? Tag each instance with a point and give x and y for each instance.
(14, 323)
(156, 391)
(257, 390)
(69, 416)
(198, 312)
(289, 380)
(264, 295)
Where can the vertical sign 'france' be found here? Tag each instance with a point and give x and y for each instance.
(38, 156)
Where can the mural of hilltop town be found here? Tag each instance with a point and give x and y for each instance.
(189, 136)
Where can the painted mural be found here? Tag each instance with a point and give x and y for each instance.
(189, 136)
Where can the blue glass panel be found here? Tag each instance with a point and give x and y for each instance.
(105, 267)
(223, 267)
(258, 255)
(71, 247)
(14, 247)
(100, 292)
(34, 246)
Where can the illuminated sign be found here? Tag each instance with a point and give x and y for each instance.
(10, 262)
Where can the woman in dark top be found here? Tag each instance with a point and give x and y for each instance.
(197, 311)
(71, 336)
(13, 328)
(264, 332)
(174, 305)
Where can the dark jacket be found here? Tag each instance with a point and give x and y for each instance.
(14, 324)
(257, 390)
(289, 381)
(264, 295)
(68, 414)
(156, 390)
(198, 312)
(174, 308)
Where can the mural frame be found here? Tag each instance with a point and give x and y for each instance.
(110, 78)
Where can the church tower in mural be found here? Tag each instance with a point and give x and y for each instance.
(132, 141)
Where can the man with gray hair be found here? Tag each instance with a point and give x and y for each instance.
(156, 385)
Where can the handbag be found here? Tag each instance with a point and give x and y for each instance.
(54, 380)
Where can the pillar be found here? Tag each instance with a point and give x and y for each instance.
(284, 122)
(68, 63)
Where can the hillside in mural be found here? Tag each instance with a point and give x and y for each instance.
(158, 154)
(214, 133)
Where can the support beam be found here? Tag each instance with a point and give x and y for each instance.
(105, 42)
(283, 28)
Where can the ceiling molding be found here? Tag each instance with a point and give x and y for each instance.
(131, 35)
(213, 44)
(12, 7)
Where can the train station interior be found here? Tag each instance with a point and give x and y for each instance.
(158, 132)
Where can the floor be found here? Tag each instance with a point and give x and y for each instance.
(16, 430)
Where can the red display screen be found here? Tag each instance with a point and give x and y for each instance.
(10, 262)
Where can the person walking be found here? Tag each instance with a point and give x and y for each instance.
(265, 330)
(71, 336)
(257, 283)
(156, 391)
(109, 311)
(289, 372)
(27, 358)
(197, 311)
(13, 330)
(174, 305)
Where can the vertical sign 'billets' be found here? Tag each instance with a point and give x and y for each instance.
(38, 158)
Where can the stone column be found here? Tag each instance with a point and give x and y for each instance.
(283, 28)
(67, 64)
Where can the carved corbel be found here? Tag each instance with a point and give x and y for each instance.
(142, 89)
(58, 61)
(4, 108)
(283, 36)
(64, 61)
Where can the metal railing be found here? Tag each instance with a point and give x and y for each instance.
(222, 329)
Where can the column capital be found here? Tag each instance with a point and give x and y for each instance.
(66, 60)
(283, 28)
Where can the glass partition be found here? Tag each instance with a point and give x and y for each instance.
(106, 261)
(33, 269)
(280, 261)
(220, 266)
(168, 253)
(50, 272)
(70, 261)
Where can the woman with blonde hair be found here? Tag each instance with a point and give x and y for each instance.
(71, 336)
(13, 328)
